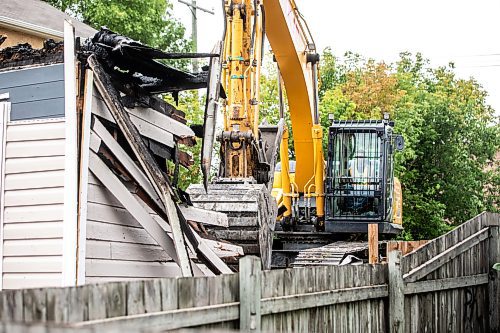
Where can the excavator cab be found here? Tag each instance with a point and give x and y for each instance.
(360, 185)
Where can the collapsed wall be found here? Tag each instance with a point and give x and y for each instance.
(132, 221)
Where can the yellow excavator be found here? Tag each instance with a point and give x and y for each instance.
(314, 201)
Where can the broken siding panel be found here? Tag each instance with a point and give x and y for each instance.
(159, 132)
(36, 92)
(117, 247)
(34, 202)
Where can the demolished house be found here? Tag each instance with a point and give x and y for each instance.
(85, 191)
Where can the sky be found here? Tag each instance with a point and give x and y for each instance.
(463, 32)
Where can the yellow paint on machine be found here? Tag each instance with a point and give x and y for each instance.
(289, 44)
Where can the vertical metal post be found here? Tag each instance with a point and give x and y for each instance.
(250, 293)
(396, 294)
(194, 33)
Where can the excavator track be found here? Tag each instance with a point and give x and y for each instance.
(301, 249)
(251, 212)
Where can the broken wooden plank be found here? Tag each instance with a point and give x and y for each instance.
(151, 169)
(121, 193)
(85, 141)
(144, 183)
(213, 259)
(126, 161)
(223, 249)
(146, 129)
(204, 216)
(160, 120)
(189, 212)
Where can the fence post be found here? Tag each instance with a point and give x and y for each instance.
(494, 280)
(396, 294)
(373, 243)
(250, 293)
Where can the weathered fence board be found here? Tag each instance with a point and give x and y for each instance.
(459, 294)
(447, 280)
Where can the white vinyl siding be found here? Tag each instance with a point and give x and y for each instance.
(118, 248)
(33, 204)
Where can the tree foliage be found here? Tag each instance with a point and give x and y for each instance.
(447, 169)
(150, 22)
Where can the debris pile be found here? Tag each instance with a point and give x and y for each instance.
(132, 141)
(25, 54)
(133, 135)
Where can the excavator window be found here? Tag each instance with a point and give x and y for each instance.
(356, 177)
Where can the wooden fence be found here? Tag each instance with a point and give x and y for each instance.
(445, 286)
(449, 283)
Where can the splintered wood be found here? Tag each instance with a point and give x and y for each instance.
(132, 135)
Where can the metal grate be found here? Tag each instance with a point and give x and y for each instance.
(356, 174)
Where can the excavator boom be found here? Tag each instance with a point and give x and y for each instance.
(249, 149)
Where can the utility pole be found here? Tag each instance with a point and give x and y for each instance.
(194, 27)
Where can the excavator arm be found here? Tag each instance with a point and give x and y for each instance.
(293, 47)
(248, 148)
(295, 52)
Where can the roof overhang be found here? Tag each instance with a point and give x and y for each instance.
(29, 28)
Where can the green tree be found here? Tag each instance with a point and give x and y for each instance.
(150, 22)
(447, 169)
(192, 104)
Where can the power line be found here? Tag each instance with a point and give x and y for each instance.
(478, 66)
(480, 55)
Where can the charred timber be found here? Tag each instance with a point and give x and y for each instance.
(24, 54)
(127, 60)
(155, 103)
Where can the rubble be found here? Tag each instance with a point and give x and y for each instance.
(25, 54)
(147, 132)
(128, 133)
